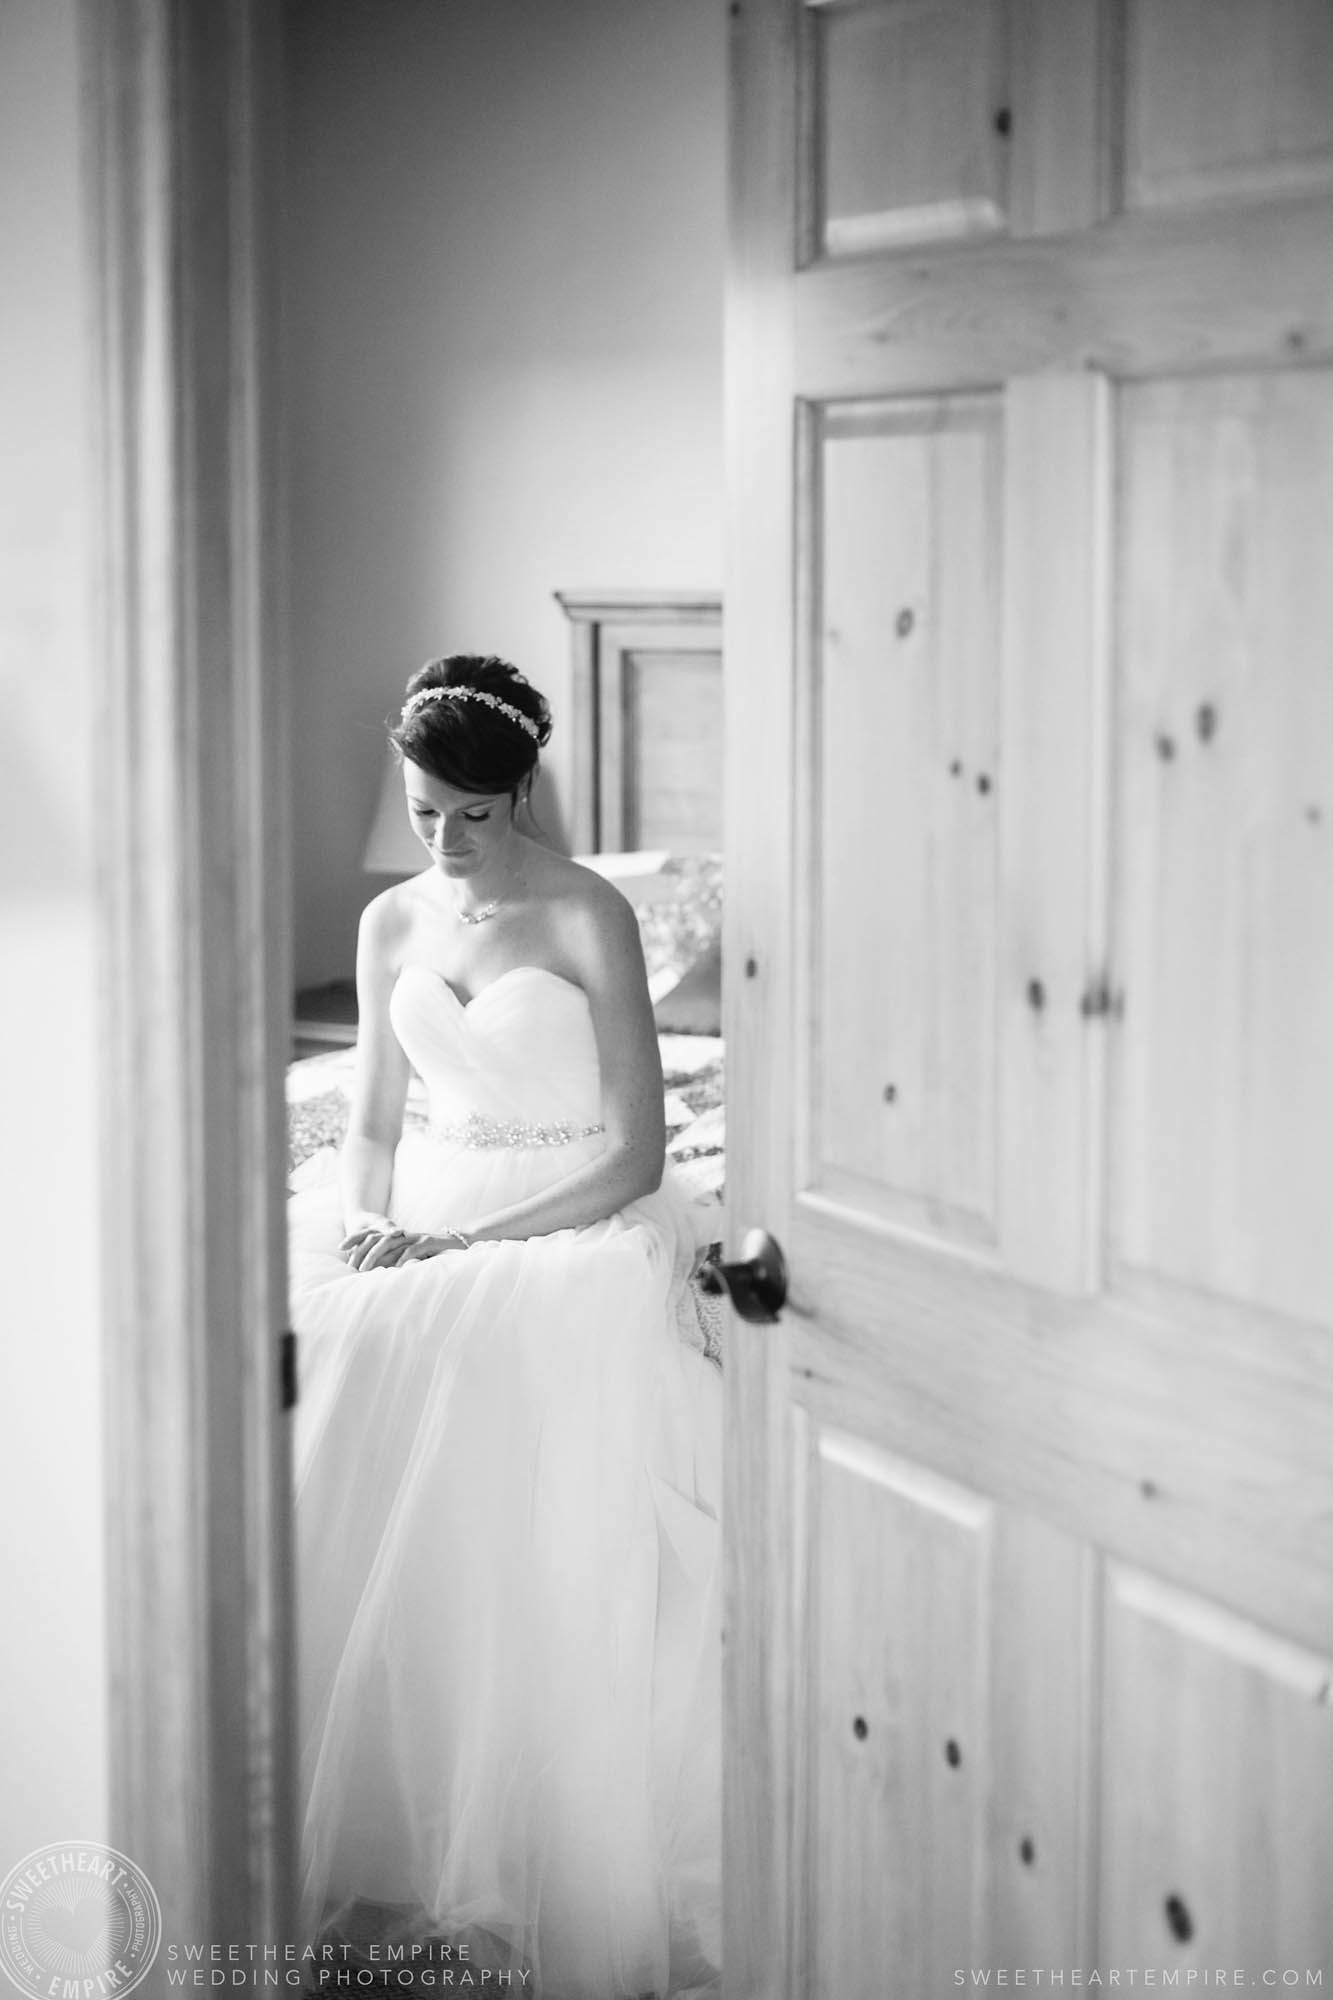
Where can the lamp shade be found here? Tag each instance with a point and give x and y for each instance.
(641, 876)
(391, 846)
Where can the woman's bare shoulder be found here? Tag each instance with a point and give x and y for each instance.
(388, 919)
(581, 893)
(592, 930)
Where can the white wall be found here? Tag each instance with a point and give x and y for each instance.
(503, 309)
(53, 1663)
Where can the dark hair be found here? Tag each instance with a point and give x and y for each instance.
(469, 744)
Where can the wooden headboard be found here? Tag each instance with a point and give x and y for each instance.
(647, 719)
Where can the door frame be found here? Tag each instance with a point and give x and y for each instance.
(178, 115)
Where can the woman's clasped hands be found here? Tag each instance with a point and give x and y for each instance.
(378, 1244)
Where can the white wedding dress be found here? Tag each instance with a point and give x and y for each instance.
(508, 1497)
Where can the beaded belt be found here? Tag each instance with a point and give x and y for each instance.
(476, 1130)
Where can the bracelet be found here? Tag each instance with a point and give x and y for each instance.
(461, 1238)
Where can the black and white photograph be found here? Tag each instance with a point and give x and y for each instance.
(667, 906)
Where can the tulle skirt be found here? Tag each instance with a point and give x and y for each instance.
(508, 1502)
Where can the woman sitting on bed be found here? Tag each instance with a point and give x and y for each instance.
(508, 1442)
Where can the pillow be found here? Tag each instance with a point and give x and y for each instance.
(681, 929)
(693, 1006)
(678, 901)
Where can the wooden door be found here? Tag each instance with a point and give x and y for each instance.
(1029, 1635)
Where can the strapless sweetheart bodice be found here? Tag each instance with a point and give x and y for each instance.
(521, 1052)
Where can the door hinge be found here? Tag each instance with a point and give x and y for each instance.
(287, 1368)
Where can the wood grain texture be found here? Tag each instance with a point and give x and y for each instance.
(1218, 1759)
(1061, 91)
(1149, 296)
(762, 1921)
(1166, 1411)
(1223, 1086)
(180, 106)
(898, 162)
(762, 233)
(1044, 1655)
(898, 1720)
(1053, 785)
(903, 732)
(1057, 1406)
(1226, 100)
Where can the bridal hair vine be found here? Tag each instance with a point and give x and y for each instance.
(505, 708)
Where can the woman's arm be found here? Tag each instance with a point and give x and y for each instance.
(379, 1091)
(602, 943)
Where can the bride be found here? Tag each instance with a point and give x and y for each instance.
(507, 1449)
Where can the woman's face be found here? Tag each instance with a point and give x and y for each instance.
(463, 832)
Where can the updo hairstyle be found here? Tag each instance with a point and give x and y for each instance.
(468, 744)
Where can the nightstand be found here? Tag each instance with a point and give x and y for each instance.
(325, 1018)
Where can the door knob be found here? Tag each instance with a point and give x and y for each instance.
(757, 1284)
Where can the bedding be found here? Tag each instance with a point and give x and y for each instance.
(678, 901)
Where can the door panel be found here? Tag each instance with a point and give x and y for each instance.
(1029, 1074)
(1213, 1834)
(1223, 1094)
(1055, 674)
(1039, 1851)
(1226, 98)
(901, 1085)
(894, 1756)
(900, 162)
